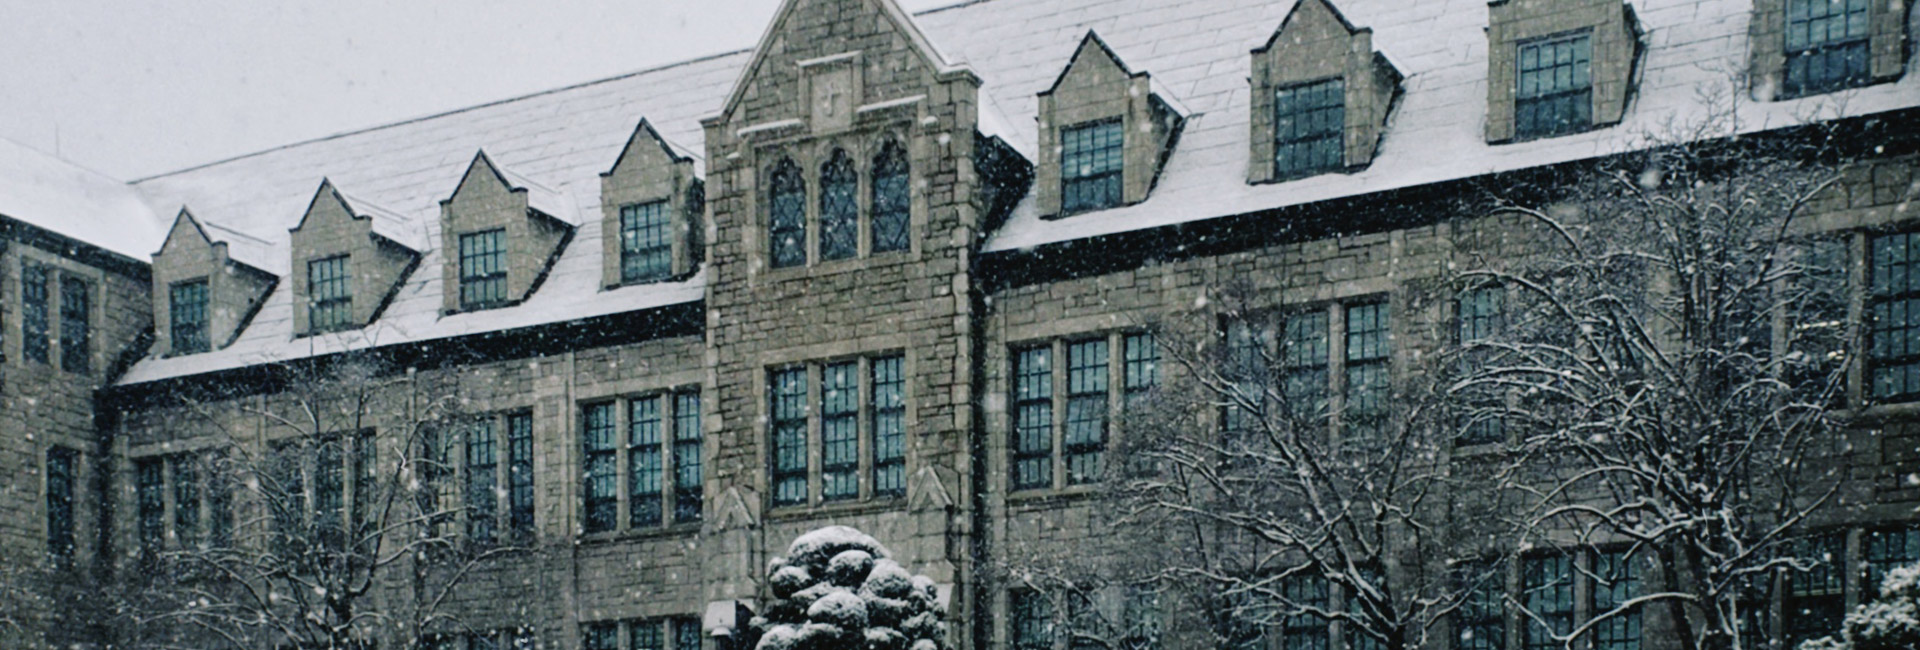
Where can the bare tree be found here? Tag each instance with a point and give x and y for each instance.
(331, 517)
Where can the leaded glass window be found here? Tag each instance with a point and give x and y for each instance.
(1546, 590)
(1246, 368)
(1142, 364)
(1481, 621)
(1303, 358)
(786, 215)
(329, 294)
(1480, 316)
(1303, 631)
(840, 431)
(600, 636)
(187, 308)
(186, 499)
(150, 502)
(76, 316)
(1555, 92)
(646, 250)
(597, 441)
(1826, 45)
(1091, 161)
(839, 208)
(483, 463)
(483, 269)
(1816, 598)
(365, 465)
(1369, 348)
(520, 472)
(329, 490)
(1309, 125)
(35, 325)
(1032, 620)
(1032, 447)
(1086, 435)
(1615, 582)
(61, 466)
(645, 635)
(219, 501)
(1888, 549)
(889, 411)
(892, 205)
(689, 489)
(645, 462)
(1893, 312)
(789, 408)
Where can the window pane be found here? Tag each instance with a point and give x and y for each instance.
(483, 269)
(1546, 589)
(839, 209)
(1090, 166)
(1303, 353)
(645, 635)
(329, 491)
(1615, 581)
(891, 203)
(1246, 367)
(1893, 351)
(61, 463)
(1554, 92)
(1086, 435)
(646, 250)
(600, 636)
(483, 460)
(1032, 620)
(789, 407)
(1816, 599)
(889, 408)
(1309, 124)
(644, 462)
(597, 441)
(520, 472)
(1826, 46)
(329, 294)
(1304, 631)
(148, 483)
(1143, 364)
(839, 431)
(186, 499)
(1032, 446)
(688, 483)
(1886, 550)
(1481, 620)
(787, 215)
(35, 328)
(686, 634)
(1368, 354)
(76, 314)
(187, 325)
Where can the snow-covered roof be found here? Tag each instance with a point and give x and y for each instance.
(540, 197)
(1195, 50)
(395, 227)
(64, 198)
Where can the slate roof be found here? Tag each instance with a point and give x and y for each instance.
(61, 197)
(1195, 50)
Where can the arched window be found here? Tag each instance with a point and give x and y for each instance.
(839, 211)
(890, 202)
(786, 215)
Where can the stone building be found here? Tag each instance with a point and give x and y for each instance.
(886, 270)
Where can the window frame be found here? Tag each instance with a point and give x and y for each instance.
(188, 330)
(76, 324)
(1052, 412)
(1106, 162)
(1853, 49)
(36, 312)
(1289, 140)
(474, 280)
(646, 241)
(1880, 302)
(1563, 587)
(330, 296)
(62, 504)
(786, 215)
(631, 440)
(1578, 98)
(884, 207)
(1480, 314)
(1626, 631)
(838, 207)
(855, 462)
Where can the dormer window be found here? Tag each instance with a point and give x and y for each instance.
(839, 208)
(786, 215)
(646, 253)
(329, 294)
(1091, 166)
(187, 318)
(1826, 46)
(483, 269)
(1309, 125)
(891, 204)
(1555, 93)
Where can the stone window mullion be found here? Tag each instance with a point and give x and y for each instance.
(1116, 385)
(863, 417)
(816, 485)
(1336, 368)
(669, 468)
(1058, 370)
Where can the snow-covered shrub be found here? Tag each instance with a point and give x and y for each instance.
(1891, 622)
(838, 589)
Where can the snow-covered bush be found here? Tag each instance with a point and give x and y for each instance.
(1891, 622)
(837, 589)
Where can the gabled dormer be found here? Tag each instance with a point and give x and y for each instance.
(1557, 67)
(1321, 95)
(208, 282)
(500, 232)
(349, 258)
(1104, 133)
(650, 205)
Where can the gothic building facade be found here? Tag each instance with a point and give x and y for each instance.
(889, 270)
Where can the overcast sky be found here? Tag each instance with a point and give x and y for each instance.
(135, 88)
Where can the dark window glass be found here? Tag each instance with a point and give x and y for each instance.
(483, 269)
(600, 636)
(892, 207)
(646, 251)
(1818, 342)
(1555, 93)
(329, 490)
(889, 411)
(840, 431)
(1481, 622)
(1086, 436)
(187, 304)
(149, 484)
(1303, 631)
(520, 472)
(1091, 161)
(786, 215)
(219, 501)
(1816, 599)
(329, 294)
(365, 457)
(1032, 447)
(35, 326)
(76, 314)
(61, 465)
(645, 464)
(689, 488)
(1826, 46)
(1303, 357)
(483, 464)
(1615, 581)
(1888, 549)
(439, 494)
(1369, 350)
(1143, 364)
(1893, 312)
(1141, 614)
(839, 208)
(1355, 636)
(645, 635)
(1480, 316)
(1309, 124)
(186, 499)
(1246, 369)
(686, 633)
(1032, 619)
(597, 441)
(1546, 590)
(789, 407)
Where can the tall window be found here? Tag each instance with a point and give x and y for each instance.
(76, 315)
(520, 473)
(645, 463)
(483, 463)
(840, 431)
(1546, 589)
(892, 207)
(187, 306)
(150, 500)
(597, 433)
(483, 269)
(786, 215)
(889, 415)
(329, 490)
(1091, 161)
(1893, 312)
(1816, 599)
(1032, 620)
(1615, 581)
(1032, 447)
(365, 471)
(1143, 365)
(1826, 45)
(1888, 549)
(1555, 93)
(1304, 631)
(645, 635)
(329, 294)
(600, 636)
(646, 252)
(1303, 358)
(1481, 623)
(839, 208)
(186, 498)
(35, 325)
(1480, 316)
(1309, 127)
(439, 495)
(789, 408)
(61, 463)
(1086, 435)
(688, 487)
(1369, 351)
(220, 501)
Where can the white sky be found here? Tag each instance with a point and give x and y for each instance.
(135, 88)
